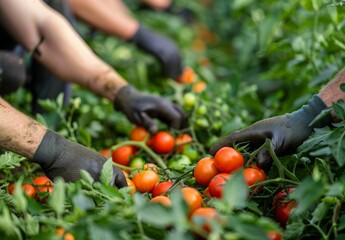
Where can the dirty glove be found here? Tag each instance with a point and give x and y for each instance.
(160, 47)
(286, 132)
(12, 72)
(58, 156)
(140, 109)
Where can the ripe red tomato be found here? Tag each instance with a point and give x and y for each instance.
(163, 142)
(227, 160)
(192, 197)
(131, 184)
(164, 200)
(283, 207)
(105, 152)
(274, 235)
(205, 170)
(205, 213)
(29, 190)
(145, 180)
(217, 184)
(161, 188)
(138, 134)
(182, 141)
(253, 175)
(122, 155)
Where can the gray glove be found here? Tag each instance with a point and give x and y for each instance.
(12, 72)
(140, 109)
(286, 132)
(162, 48)
(58, 156)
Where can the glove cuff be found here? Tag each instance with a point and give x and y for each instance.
(311, 110)
(46, 153)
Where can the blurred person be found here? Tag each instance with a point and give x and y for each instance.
(287, 132)
(114, 18)
(51, 40)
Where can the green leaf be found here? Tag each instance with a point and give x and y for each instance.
(84, 137)
(306, 194)
(294, 230)
(82, 202)
(341, 222)
(235, 191)
(57, 198)
(340, 151)
(107, 172)
(342, 87)
(19, 200)
(336, 189)
(320, 134)
(339, 109)
(7, 226)
(320, 212)
(150, 212)
(32, 226)
(247, 228)
(9, 160)
(86, 177)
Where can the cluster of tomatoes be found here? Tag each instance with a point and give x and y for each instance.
(214, 172)
(40, 188)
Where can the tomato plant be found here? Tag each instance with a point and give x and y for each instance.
(163, 142)
(227, 160)
(205, 170)
(179, 162)
(145, 180)
(161, 188)
(123, 155)
(216, 185)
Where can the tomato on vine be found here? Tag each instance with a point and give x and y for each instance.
(163, 142)
(205, 170)
(145, 180)
(161, 188)
(131, 185)
(28, 189)
(182, 141)
(123, 154)
(227, 160)
(192, 197)
(164, 200)
(283, 206)
(216, 185)
(206, 214)
(138, 134)
(253, 175)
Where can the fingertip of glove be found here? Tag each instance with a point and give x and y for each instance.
(264, 160)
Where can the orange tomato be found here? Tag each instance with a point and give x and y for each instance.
(43, 185)
(182, 141)
(123, 154)
(68, 236)
(188, 76)
(162, 199)
(138, 134)
(150, 166)
(227, 160)
(205, 213)
(60, 231)
(199, 86)
(131, 185)
(206, 193)
(205, 170)
(145, 180)
(105, 152)
(29, 190)
(192, 197)
(161, 188)
(253, 175)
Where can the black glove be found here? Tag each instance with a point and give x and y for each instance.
(162, 48)
(12, 72)
(58, 156)
(140, 109)
(286, 132)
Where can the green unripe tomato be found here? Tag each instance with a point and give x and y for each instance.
(201, 110)
(189, 99)
(202, 122)
(179, 162)
(137, 162)
(191, 152)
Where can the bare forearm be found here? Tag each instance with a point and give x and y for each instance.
(18, 132)
(331, 92)
(110, 16)
(61, 50)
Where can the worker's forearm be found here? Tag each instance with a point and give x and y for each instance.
(331, 92)
(18, 132)
(110, 16)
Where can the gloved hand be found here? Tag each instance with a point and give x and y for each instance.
(286, 132)
(162, 48)
(140, 109)
(12, 72)
(58, 156)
